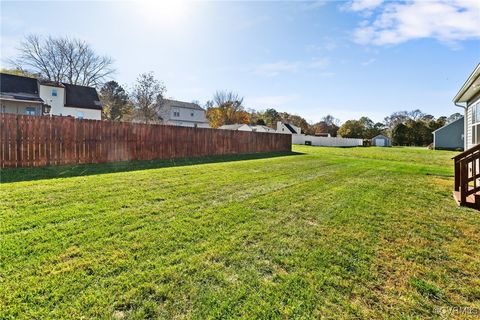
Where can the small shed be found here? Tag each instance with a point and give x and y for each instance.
(450, 136)
(381, 141)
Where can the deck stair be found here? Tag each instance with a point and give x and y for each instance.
(467, 178)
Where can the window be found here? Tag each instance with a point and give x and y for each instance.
(192, 114)
(476, 123)
(30, 111)
(176, 113)
(54, 92)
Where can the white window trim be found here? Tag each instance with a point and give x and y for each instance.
(475, 126)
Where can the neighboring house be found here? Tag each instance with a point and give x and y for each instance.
(247, 127)
(469, 98)
(23, 95)
(381, 141)
(450, 136)
(288, 128)
(237, 127)
(262, 128)
(20, 95)
(184, 114)
(71, 100)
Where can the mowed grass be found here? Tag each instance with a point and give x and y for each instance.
(327, 233)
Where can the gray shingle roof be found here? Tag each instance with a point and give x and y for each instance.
(19, 88)
(182, 104)
(81, 97)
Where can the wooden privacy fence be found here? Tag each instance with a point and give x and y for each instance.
(30, 141)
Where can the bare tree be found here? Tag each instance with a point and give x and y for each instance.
(147, 97)
(222, 98)
(63, 60)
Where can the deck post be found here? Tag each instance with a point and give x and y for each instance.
(457, 175)
(463, 182)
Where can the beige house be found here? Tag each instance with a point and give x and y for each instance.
(469, 99)
(179, 113)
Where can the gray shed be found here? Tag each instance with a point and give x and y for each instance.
(381, 141)
(450, 136)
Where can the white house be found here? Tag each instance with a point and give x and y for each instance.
(181, 113)
(247, 127)
(29, 96)
(469, 99)
(288, 128)
(20, 95)
(71, 100)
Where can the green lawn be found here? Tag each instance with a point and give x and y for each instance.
(329, 232)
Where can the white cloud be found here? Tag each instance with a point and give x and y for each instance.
(446, 21)
(360, 5)
(276, 68)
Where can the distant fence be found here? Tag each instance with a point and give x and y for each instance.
(326, 141)
(31, 141)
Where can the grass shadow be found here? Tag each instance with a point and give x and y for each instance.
(8, 175)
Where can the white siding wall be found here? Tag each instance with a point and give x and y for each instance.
(186, 114)
(326, 141)
(58, 104)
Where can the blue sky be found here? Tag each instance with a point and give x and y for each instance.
(347, 59)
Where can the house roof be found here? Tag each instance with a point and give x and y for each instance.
(19, 88)
(454, 121)
(81, 97)
(182, 104)
(289, 127)
(233, 126)
(470, 88)
(264, 127)
(381, 136)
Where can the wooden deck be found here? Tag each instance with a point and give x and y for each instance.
(471, 200)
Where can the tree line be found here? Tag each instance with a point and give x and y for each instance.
(74, 61)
